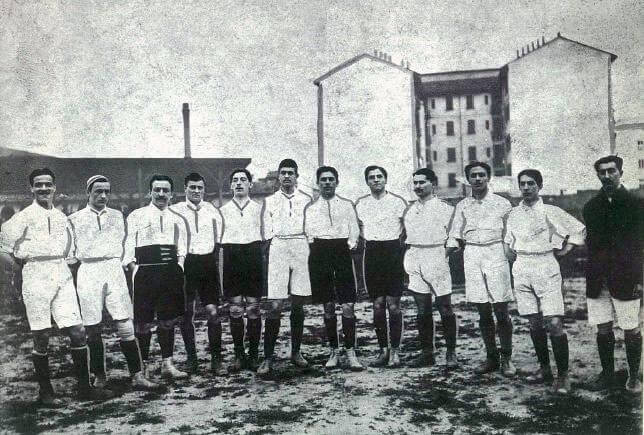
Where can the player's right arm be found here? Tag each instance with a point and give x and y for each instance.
(129, 259)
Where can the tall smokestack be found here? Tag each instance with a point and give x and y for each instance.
(186, 130)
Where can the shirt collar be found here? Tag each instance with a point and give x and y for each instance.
(286, 195)
(537, 205)
(193, 207)
(157, 209)
(96, 212)
(241, 205)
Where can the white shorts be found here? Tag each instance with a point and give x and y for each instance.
(101, 285)
(537, 285)
(428, 270)
(48, 291)
(288, 268)
(606, 309)
(487, 274)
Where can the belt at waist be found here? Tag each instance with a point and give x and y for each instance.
(467, 242)
(97, 259)
(533, 254)
(156, 254)
(431, 245)
(290, 236)
(41, 258)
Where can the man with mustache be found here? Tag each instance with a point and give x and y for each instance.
(427, 224)
(614, 222)
(201, 270)
(40, 238)
(479, 223)
(99, 233)
(331, 226)
(536, 233)
(287, 263)
(380, 218)
(242, 237)
(155, 251)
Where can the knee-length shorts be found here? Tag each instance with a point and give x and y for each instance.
(331, 269)
(100, 285)
(288, 268)
(428, 270)
(487, 274)
(537, 285)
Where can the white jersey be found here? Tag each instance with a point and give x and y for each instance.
(381, 219)
(97, 234)
(428, 223)
(243, 223)
(284, 215)
(481, 221)
(205, 225)
(332, 219)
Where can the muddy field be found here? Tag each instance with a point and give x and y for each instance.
(401, 400)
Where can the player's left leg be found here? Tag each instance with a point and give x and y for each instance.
(40, 357)
(450, 329)
(349, 332)
(395, 328)
(96, 354)
(214, 340)
(297, 330)
(559, 341)
(539, 337)
(253, 331)
(187, 328)
(130, 348)
(380, 324)
(165, 333)
(633, 345)
(271, 332)
(504, 330)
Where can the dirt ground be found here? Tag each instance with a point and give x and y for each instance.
(405, 400)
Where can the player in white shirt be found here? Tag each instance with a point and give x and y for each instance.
(39, 238)
(536, 234)
(380, 217)
(287, 263)
(155, 251)
(331, 226)
(479, 223)
(204, 223)
(99, 233)
(427, 223)
(242, 237)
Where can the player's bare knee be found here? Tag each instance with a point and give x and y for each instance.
(555, 326)
(213, 315)
(143, 328)
(94, 332)
(168, 324)
(253, 311)
(41, 341)
(236, 311)
(444, 305)
(77, 335)
(125, 329)
(347, 310)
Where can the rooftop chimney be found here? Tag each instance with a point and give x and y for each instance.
(518, 54)
(186, 130)
(532, 45)
(543, 40)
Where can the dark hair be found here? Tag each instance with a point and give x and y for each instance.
(193, 176)
(97, 180)
(160, 177)
(287, 163)
(483, 165)
(41, 171)
(372, 168)
(428, 173)
(244, 170)
(532, 173)
(326, 169)
(607, 159)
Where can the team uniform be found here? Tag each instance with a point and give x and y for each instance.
(331, 227)
(100, 283)
(242, 234)
(42, 239)
(481, 224)
(427, 226)
(533, 232)
(289, 249)
(381, 222)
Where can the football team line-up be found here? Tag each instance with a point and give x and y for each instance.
(171, 251)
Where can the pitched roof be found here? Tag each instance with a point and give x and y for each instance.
(357, 59)
(563, 38)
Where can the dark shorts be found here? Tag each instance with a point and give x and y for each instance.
(331, 271)
(202, 277)
(158, 289)
(243, 270)
(384, 273)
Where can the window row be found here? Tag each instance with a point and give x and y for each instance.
(449, 102)
(471, 154)
(471, 127)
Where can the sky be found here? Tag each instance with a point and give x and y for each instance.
(93, 78)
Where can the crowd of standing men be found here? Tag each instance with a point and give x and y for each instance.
(171, 252)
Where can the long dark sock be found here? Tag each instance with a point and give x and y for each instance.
(420, 325)
(237, 331)
(144, 344)
(560, 351)
(633, 344)
(380, 324)
(96, 357)
(606, 347)
(395, 326)
(130, 350)
(166, 341)
(488, 334)
(540, 343)
(271, 331)
(449, 329)
(254, 332)
(41, 366)
(214, 337)
(427, 320)
(297, 328)
(188, 334)
(331, 326)
(80, 356)
(349, 331)
(504, 330)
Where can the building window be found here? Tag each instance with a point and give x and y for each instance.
(487, 124)
(435, 155)
(469, 102)
(471, 126)
(640, 145)
(451, 155)
(449, 103)
(488, 152)
(433, 103)
(486, 101)
(641, 164)
(471, 154)
(450, 128)
(434, 129)
(451, 180)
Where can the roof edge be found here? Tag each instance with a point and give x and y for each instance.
(355, 59)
